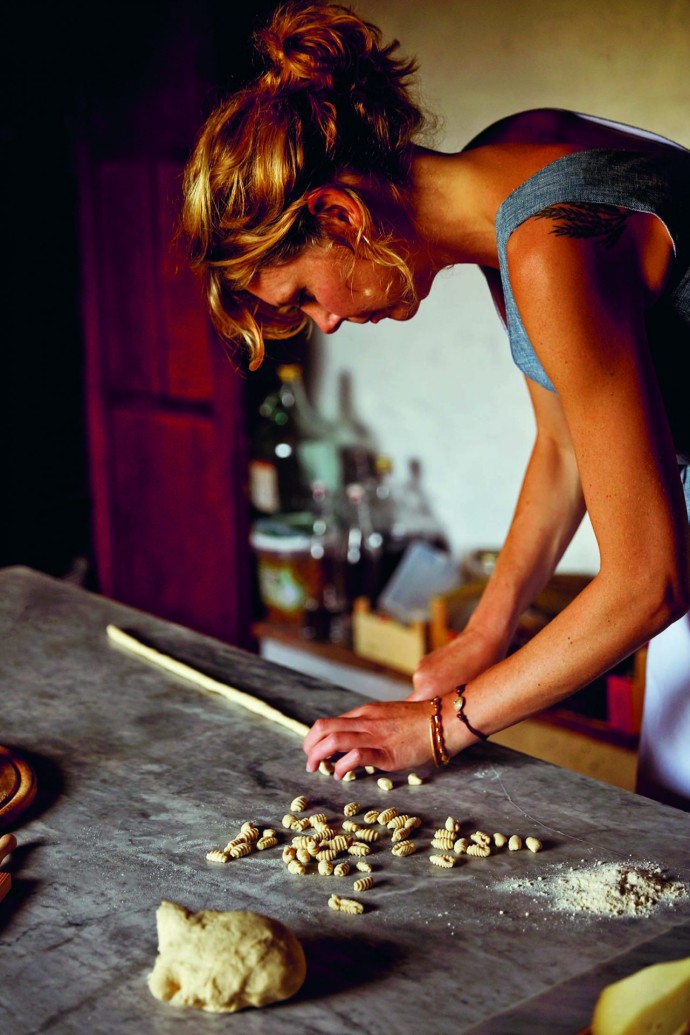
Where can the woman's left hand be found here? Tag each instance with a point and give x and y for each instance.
(390, 735)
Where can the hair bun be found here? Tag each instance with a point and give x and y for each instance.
(314, 44)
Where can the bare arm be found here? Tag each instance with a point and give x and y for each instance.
(582, 301)
(583, 308)
(549, 509)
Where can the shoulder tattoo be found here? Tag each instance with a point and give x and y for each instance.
(605, 222)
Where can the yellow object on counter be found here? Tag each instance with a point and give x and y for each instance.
(652, 1001)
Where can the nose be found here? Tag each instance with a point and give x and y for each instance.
(324, 320)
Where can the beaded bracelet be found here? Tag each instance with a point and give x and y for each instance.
(459, 705)
(438, 746)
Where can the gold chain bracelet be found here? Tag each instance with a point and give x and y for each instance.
(438, 746)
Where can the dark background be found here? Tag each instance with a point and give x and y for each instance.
(72, 74)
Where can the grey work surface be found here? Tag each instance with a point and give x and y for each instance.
(141, 773)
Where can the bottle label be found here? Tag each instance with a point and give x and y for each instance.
(263, 486)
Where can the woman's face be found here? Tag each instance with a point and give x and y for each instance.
(330, 288)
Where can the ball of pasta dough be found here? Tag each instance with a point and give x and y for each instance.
(223, 962)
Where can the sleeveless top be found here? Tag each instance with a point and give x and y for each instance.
(642, 181)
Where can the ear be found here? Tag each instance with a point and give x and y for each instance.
(335, 209)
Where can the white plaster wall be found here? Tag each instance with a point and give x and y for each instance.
(442, 388)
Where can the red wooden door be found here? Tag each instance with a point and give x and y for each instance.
(165, 411)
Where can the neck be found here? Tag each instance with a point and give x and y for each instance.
(453, 210)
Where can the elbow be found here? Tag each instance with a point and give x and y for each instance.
(667, 602)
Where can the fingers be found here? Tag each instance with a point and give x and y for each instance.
(329, 737)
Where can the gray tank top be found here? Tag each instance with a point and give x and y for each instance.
(643, 181)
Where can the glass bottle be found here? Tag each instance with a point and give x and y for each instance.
(415, 518)
(325, 612)
(292, 446)
(363, 548)
(386, 513)
(354, 443)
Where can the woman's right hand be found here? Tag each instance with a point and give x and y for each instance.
(463, 659)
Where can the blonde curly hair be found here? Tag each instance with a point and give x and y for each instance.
(332, 108)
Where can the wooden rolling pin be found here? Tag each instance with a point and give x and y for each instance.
(179, 668)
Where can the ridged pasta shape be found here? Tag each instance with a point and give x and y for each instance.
(299, 803)
(352, 808)
(345, 905)
(404, 848)
(239, 851)
(479, 851)
(217, 856)
(447, 862)
(363, 884)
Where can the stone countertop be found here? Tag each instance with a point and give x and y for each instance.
(140, 773)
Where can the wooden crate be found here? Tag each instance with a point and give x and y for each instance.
(380, 638)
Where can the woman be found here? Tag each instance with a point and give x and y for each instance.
(308, 199)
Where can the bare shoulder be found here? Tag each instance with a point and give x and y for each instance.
(534, 126)
(605, 245)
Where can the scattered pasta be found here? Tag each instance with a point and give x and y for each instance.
(363, 866)
(480, 851)
(414, 780)
(358, 848)
(445, 861)
(295, 866)
(384, 783)
(534, 844)
(239, 851)
(452, 824)
(350, 775)
(404, 848)
(367, 834)
(387, 815)
(326, 768)
(345, 905)
(371, 816)
(217, 856)
(326, 867)
(266, 842)
(352, 808)
(461, 846)
(500, 840)
(341, 869)
(515, 843)
(363, 884)
(298, 804)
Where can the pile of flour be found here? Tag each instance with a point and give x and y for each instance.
(603, 889)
